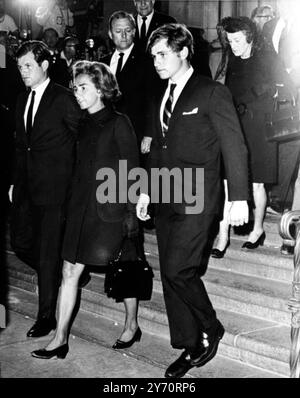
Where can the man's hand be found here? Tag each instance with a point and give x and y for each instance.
(238, 213)
(10, 193)
(145, 144)
(142, 207)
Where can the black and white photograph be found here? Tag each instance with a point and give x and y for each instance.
(149, 193)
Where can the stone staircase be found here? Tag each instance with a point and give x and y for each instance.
(249, 290)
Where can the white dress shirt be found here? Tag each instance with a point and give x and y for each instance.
(180, 84)
(115, 58)
(148, 21)
(39, 91)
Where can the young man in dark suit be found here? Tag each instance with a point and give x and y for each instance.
(194, 122)
(47, 118)
(147, 20)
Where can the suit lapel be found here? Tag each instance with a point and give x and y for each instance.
(43, 106)
(183, 99)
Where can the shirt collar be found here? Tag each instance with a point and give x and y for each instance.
(41, 87)
(149, 17)
(126, 52)
(181, 82)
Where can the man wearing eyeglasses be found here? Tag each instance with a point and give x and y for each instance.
(261, 15)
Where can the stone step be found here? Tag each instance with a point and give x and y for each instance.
(249, 295)
(258, 342)
(153, 349)
(266, 262)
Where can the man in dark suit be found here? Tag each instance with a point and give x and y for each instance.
(147, 20)
(47, 118)
(194, 121)
(128, 64)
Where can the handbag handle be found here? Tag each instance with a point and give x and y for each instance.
(138, 248)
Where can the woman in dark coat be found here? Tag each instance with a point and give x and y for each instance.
(96, 222)
(252, 75)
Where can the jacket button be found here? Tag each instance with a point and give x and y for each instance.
(164, 146)
(28, 149)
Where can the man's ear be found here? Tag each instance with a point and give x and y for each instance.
(109, 34)
(184, 53)
(45, 65)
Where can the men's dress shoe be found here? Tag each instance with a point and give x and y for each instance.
(42, 327)
(84, 279)
(59, 352)
(259, 242)
(211, 344)
(119, 344)
(179, 368)
(287, 250)
(216, 253)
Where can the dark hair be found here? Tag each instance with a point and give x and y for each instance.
(38, 48)
(178, 36)
(121, 15)
(248, 27)
(51, 30)
(102, 77)
(67, 39)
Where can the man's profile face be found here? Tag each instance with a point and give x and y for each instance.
(144, 7)
(122, 33)
(32, 73)
(168, 63)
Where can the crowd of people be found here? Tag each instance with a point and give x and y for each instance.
(147, 101)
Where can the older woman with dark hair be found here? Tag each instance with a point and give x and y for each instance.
(95, 231)
(252, 74)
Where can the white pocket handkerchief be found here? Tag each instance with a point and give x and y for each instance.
(193, 112)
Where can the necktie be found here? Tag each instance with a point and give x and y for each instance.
(143, 38)
(168, 109)
(119, 66)
(29, 114)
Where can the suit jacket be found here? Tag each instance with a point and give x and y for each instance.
(44, 161)
(203, 126)
(157, 20)
(133, 85)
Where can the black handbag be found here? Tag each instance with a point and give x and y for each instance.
(132, 278)
(283, 123)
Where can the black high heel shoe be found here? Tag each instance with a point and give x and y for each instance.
(259, 242)
(119, 344)
(216, 253)
(59, 352)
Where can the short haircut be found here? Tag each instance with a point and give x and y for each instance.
(121, 15)
(177, 35)
(51, 30)
(38, 48)
(101, 76)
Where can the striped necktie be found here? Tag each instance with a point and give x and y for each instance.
(168, 109)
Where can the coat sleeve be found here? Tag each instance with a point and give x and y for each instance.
(235, 155)
(127, 147)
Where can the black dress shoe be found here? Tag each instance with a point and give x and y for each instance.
(259, 242)
(119, 344)
(42, 327)
(211, 344)
(180, 366)
(287, 250)
(216, 253)
(59, 352)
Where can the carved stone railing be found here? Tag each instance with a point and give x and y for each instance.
(289, 230)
